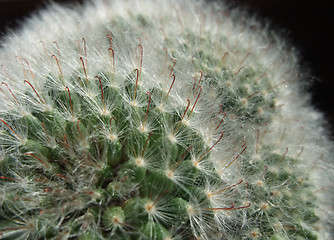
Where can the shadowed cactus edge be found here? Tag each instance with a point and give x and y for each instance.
(128, 120)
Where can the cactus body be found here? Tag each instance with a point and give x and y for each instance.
(140, 121)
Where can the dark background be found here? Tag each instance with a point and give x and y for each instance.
(307, 24)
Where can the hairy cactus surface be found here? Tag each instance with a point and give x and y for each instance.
(158, 120)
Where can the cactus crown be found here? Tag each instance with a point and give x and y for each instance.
(143, 125)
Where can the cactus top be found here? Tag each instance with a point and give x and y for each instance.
(158, 120)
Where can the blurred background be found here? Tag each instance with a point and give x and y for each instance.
(309, 25)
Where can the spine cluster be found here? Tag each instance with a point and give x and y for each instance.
(140, 121)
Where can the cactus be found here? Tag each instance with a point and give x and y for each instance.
(140, 120)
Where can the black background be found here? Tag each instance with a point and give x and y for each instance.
(307, 24)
